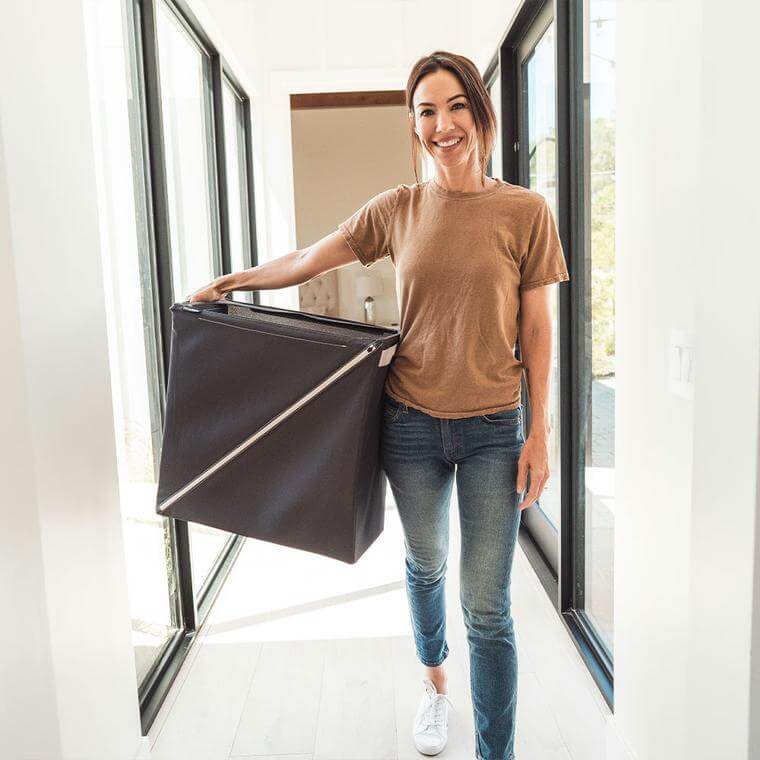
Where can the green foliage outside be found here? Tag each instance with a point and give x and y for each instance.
(542, 167)
(603, 247)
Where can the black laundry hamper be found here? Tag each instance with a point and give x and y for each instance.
(273, 424)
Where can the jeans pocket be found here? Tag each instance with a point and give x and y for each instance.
(505, 417)
(391, 409)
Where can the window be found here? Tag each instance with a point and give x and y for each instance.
(535, 84)
(599, 364)
(135, 361)
(188, 128)
(237, 192)
(156, 81)
(556, 66)
(495, 168)
(188, 139)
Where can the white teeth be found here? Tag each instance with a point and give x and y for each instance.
(450, 142)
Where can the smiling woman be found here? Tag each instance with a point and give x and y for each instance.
(471, 253)
(448, 101)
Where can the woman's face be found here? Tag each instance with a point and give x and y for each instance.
(442, 113)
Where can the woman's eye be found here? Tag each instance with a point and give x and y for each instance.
(427, 110)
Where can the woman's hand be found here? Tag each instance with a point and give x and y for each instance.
(534, 457)
(211, 292)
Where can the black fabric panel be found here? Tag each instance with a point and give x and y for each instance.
(314, 482)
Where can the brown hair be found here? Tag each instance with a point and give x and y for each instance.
(481, 105)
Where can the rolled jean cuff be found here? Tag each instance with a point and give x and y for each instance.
(440, 661)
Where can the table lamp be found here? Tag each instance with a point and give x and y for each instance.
(367, 288)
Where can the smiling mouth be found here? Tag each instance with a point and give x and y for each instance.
(452, 145)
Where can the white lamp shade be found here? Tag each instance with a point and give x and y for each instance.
(368, 286)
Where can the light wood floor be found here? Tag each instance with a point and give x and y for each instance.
(307, 658)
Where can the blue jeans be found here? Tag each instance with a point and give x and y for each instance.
(421, 455)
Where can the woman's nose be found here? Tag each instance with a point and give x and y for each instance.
(444, 124)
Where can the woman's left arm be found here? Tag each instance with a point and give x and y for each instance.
(535, 329)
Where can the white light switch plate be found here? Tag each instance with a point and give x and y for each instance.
(681, 364)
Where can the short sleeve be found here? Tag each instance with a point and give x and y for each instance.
(368, 230)
(544, 261)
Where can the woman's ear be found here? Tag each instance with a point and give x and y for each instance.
(414, 127)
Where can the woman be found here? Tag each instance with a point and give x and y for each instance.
(471, 254)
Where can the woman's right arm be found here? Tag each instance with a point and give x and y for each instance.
(296, 268)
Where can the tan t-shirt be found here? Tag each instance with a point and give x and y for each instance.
(461, 260)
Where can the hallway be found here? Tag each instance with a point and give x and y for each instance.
(325, 669)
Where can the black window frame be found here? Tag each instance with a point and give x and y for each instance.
(189, 609)
(224, 76)
(565, 589)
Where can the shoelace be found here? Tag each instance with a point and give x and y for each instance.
(433, 715)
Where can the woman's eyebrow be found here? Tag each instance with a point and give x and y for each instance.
(461, 95)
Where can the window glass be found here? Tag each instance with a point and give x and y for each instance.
(496, 160)
(133, 340)
(599, 369)
(190, 171)
(541, 85)
(237, 191)
(188, 141)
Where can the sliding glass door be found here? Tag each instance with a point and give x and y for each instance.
(238, 205)
(193, 208)
(496, 164)
(598, 386)
(172, 130)
(133, 334)
(538, 171)
(554, 75)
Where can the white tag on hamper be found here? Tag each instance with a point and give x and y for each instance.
(386, 356)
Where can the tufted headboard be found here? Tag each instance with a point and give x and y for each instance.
(320, 295)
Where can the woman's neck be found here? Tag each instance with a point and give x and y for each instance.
(471, 183)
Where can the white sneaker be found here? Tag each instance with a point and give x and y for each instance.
(431, 724)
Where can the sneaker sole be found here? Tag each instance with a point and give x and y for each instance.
(431, 752)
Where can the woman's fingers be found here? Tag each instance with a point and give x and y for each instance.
(533, 494)
(209, 293)
(522, 472)
(538, 479)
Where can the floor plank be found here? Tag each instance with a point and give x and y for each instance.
(282, 709)
(205, 715)
(356, 716)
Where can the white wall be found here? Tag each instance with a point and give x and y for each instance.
(687, 259)
(724, 542)
(27, 698)
(68, 674)
(657, 253)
